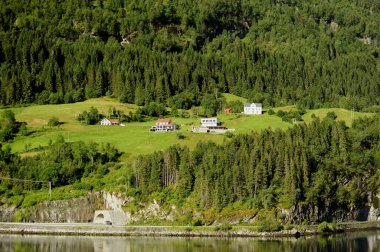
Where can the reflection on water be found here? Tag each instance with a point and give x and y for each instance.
(362, 241)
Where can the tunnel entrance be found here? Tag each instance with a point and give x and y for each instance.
(99, 218)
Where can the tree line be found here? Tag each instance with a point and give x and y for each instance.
(324, 170)
(61, 163)
(277, 52)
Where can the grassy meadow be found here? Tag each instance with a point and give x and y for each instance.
(135, 138)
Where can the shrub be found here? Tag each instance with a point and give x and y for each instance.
(181, 136)
(324, 227)
(53, 122)
(288, 226)
(229, 134)
(327, 227)
(188, 229)
(23, 129)
(281, 113)
(18, 216)
(196, 222)
(271, 112)
(331, 115)
(269, 225)
(225, 227)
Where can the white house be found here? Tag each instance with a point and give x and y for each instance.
(109, 121)
(210, 122)
(164, 124)
(253, 108)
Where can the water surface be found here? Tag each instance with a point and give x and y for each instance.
(359, 241)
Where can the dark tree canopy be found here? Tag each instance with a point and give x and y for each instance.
(315, 53)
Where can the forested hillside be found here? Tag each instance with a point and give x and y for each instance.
(315, 53)
(322, 171)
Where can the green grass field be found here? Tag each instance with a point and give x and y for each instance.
(231, 97)
(135, 138)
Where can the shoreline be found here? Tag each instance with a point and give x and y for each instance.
(86, 229)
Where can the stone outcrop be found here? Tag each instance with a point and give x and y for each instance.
(71, 211)
(7, 214)
(83, 209)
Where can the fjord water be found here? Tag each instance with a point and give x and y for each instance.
(358, 241)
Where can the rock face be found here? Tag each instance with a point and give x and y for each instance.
(6, 214)
(72, 210)
(65, 211)
(374, 210)
(83, 209)
(114, 201)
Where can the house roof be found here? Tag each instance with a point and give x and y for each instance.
(212, 118)
(165, 120)
(255, 105)
(114, 120)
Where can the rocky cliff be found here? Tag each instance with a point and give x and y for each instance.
(73, 210)
(83, 209)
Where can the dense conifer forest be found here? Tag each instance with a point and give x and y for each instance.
(324, 171)
(314, 53)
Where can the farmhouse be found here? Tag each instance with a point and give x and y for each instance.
(210, 125)
(110, 121)
(210, 122)
(164, 124)
(253, 108)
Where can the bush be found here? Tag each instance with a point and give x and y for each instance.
(90, 118)
(181, 136)
(229, 134)
(331, 115)
(291, 115)
(196, 222)
(188, 229)
(18, 216)
(324, 227)
(288, 226)
(327, 227)
(271, 112)
(225, 227)
(269, 225)
(53, 122)
(281, 113)
(23, 129)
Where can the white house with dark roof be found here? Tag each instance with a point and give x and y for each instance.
(253, 108)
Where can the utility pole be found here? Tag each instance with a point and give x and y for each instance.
(49, 183)
(28, 180)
